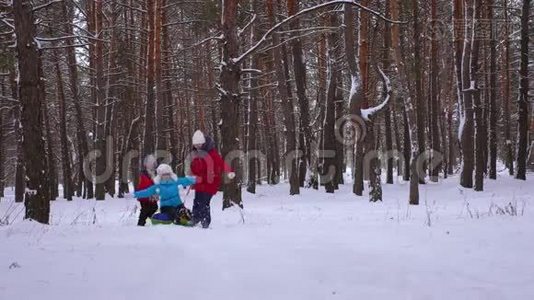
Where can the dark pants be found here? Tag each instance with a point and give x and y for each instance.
(148, 208)
(201, 209)
(170, 211)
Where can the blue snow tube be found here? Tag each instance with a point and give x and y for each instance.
(161, 218)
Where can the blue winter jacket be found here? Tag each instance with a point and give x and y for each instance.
(167, 190)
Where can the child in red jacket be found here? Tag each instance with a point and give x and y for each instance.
(208, 166)
(149, 206)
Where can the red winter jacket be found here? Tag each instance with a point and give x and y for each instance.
(208, 166)
(145, 181)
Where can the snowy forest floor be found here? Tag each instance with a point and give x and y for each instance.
(455, 245)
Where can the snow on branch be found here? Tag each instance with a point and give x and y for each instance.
(55, 39)
(216, 37)
(222, 91)
(306, 11)
(369, 112)
(240, 31)
(46, 5)
(5, 21)
(251, 71)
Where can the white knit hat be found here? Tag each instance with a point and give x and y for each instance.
(164, 169)
(150, 162)
(198, 138)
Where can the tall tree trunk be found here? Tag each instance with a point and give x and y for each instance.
(399, 62)
(289, 114)
(407, 146)
(364, 102)
(523, 103)
(161, 138)
(50, 152)
(19, 165)
(230, 100)
(467, 130)
(418, 73)
(329, 167)
(111, 106)
(65, 154)
(387, 113)
(492, 96)
(480, 134)
(411, 147)
(507, 111)
(37, 194)
(83, 147)
(150, 105)
(168, 96)
(2, 143)
(299, 68)
(252, 145)
(435, 110)
(101, 163)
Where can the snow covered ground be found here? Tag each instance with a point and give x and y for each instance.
(456, 245)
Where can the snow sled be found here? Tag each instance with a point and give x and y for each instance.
(184, 216)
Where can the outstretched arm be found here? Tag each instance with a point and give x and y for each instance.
(185, 181)
(146, 192)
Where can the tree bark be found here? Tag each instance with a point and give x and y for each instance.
(65, 154)
(509, 145)
(480, 134)
(492, 96)
(358, 186)
(150, 105)
(387, 112)
(418, 73)
(37, 194)
(83, 147)
(329, 168)
(230, 100)
(284, 92)
(100, 142)
(523, 103)
(299, 68)
(467, 132)
(19, 165)
(435, 109)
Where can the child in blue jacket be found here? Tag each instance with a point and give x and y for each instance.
(166, 186)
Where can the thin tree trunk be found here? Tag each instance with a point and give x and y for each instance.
(523, 103)
(50, 152)
(418, 72)
(2, 143)
(507, 111)
(287, 103)
(492, 96)
(480, 135)
(252, 145)
(19, 165)
(435, 108)
(100, 191)
(150, 105)
(83, 147)
(387, 113)
(65, 154)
